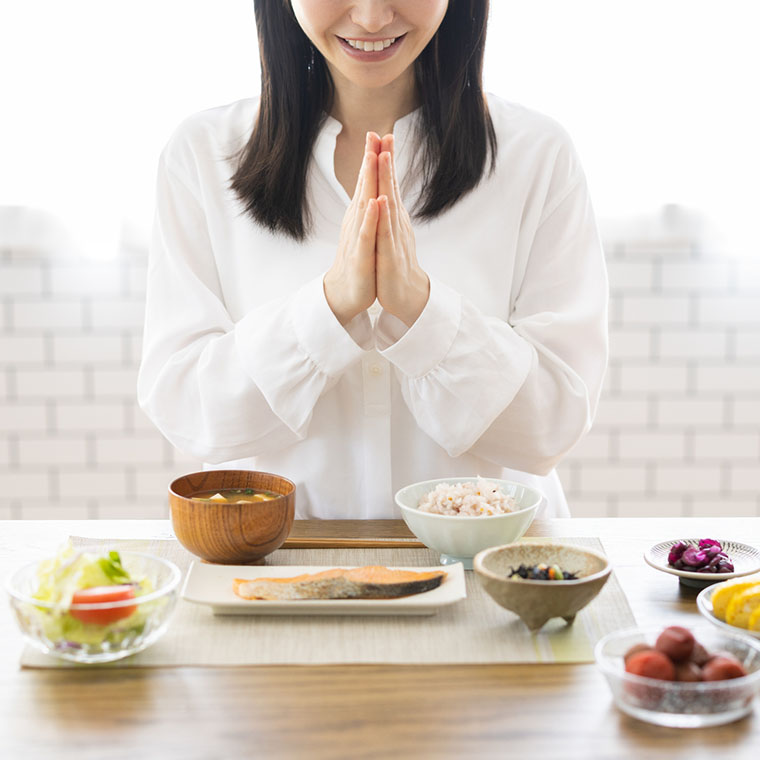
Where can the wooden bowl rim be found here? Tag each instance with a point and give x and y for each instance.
(205, 472)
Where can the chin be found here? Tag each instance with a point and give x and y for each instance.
(363, 76)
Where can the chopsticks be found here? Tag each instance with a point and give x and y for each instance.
(351, 543)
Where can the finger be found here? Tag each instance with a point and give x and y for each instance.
(396, 189)
(360, 179)
(384, 233)
(384, 175)
(395, 204)
(358, 205)
(388, 145)
(368, 230)
(372, 143)
(369, 169)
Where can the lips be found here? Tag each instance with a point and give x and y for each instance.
(371, 49)
(369, 46)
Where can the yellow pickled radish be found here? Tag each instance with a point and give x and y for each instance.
(742, 606)
(723, 595)
(754, 620)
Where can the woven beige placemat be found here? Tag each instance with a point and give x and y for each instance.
(474, 630)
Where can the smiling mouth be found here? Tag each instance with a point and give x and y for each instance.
(372, 46)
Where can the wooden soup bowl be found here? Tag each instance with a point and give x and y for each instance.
(231, 534)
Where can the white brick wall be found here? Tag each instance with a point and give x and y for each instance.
(72, 441)
(651, 310)
(680, 411)
(746, 410)
(40, 313)
(24, 279)
(677, 433)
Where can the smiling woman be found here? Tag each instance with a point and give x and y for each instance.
(364, 91)
(373, 274)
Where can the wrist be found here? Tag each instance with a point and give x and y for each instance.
(343, 309)
(416, 301)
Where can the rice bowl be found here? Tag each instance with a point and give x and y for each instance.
(459, 537)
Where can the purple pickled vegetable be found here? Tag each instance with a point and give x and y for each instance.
(694, 557)
(708, 557)
(676, 551)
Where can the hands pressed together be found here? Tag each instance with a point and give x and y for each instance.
(376, 256)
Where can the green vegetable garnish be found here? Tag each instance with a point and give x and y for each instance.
(113, 569)
(71, 571)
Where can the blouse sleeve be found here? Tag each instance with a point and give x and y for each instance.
(520, 392)
(216, 388)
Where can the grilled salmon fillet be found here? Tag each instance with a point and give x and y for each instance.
(372, 582)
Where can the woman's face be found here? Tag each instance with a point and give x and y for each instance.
(369, 42)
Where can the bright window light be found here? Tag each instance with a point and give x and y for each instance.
(660, 97)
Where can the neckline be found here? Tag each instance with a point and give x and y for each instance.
(401, 125)
(324, 149)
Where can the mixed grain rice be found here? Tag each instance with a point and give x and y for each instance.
(472, 499)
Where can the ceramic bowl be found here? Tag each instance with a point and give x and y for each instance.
(459, 538)
(536, 602)
(231, 534)
(681, 704)
(61, 633)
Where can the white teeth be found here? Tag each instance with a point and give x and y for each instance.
(369, 46)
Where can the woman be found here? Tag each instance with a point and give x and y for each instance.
(358, 312)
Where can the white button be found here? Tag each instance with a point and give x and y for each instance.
(376, 369)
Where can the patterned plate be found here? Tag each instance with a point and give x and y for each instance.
(745, 558)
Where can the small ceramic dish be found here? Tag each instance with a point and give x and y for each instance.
(705, 606)
(745, 559)
(533, 601)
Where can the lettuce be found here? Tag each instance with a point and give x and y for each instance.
(68, 572)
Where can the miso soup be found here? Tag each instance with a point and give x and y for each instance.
(235, 495)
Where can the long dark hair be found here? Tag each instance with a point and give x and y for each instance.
(456, 133)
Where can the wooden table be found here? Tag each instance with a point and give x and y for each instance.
(484, 711)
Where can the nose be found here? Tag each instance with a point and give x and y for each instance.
(372, 15)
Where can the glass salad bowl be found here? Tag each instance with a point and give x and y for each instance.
(94, 608)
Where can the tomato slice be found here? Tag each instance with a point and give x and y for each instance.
(102, 595)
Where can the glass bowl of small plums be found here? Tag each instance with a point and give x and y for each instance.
(681, 677)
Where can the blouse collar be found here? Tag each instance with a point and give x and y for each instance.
(403, 132)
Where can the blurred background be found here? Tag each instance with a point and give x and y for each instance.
(660, 99)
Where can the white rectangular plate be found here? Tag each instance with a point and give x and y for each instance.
(212, 585)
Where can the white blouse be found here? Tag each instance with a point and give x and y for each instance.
(245, 366)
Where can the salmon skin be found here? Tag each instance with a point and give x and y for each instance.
(372, 582)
